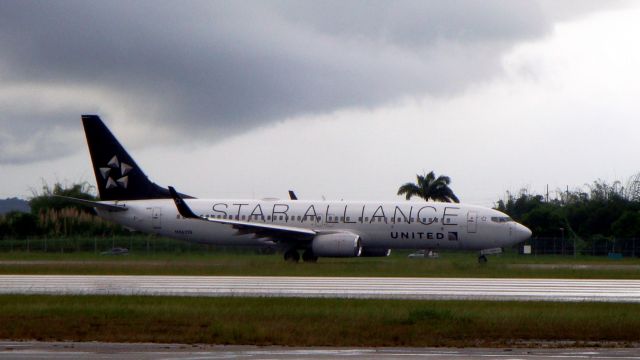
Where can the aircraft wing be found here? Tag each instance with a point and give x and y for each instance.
(244, 227)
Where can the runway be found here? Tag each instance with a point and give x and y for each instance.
(327, 287)
(96, 350)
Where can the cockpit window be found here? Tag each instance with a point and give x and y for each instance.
(501, 219)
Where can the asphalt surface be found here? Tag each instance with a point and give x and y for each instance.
(96, 350)
(328, 287)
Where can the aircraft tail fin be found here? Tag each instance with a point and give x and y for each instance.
(117, 175)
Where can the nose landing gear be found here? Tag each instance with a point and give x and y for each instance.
(482, 258)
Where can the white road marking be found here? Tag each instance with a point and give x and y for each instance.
(329, 287)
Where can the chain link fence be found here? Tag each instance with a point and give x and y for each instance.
(148, 244)
(98, 244)
(595, 246)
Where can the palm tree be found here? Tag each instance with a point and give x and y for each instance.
(430, 187)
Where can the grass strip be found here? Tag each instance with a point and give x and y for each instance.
(243, 264)
(313, 322)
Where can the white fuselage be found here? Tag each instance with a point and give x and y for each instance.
(388, 225)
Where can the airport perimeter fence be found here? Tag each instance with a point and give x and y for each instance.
(133, 244)
(596, 246)
(150, 244)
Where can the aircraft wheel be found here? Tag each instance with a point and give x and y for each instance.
(308, 256)
(292, 256)
(482, 259)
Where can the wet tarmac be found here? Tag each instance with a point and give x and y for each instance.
(326, 287)
(95, 350)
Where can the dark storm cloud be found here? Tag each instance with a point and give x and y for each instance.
(29, 137)
(219, 68)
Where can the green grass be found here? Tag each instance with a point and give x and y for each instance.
(313, 322)
(248, 263)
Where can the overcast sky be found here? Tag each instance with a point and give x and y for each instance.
(346, 100)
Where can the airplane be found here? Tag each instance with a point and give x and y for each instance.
(314, 228)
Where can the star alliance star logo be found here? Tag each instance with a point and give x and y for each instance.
(116, 169)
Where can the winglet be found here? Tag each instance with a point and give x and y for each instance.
(183, 208)
(292, 195)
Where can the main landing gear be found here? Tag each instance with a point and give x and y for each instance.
(308, 256)
(482, 259)
(293, 256)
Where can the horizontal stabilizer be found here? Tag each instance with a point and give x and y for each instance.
(94, 204)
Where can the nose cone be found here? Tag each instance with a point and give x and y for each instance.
(521, 233)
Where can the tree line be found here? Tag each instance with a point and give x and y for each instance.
(52, 216)
(602, 210)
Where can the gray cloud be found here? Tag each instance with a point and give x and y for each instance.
(220, 68)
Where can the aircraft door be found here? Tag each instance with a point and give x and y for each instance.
(472, 222)
(156, 216)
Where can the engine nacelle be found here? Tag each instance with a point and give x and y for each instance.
(336, 245)
(375, 252)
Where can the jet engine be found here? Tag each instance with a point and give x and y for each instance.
(336, 245)
(375, 252)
